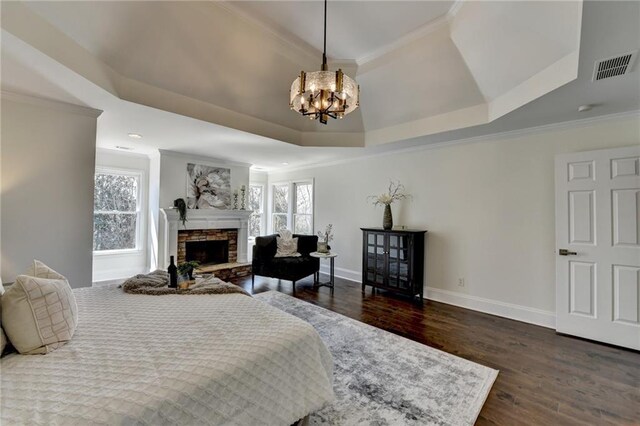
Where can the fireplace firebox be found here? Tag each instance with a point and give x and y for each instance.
(207, 252)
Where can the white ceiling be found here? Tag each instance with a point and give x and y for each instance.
(608, 28)
(354, 31)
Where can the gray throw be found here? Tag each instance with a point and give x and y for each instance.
(156, 283)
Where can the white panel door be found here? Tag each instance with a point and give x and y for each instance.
(598, 245)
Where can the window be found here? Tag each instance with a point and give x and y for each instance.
(303, 208)
(292, 207)
(116, 210)
(280, 215)
(256, 203)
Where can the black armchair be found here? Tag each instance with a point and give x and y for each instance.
(287, 268)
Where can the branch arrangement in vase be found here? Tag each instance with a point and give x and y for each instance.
(324, 238)
(396, 192)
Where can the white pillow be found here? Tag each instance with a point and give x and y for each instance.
(287, 247)
(39, 311)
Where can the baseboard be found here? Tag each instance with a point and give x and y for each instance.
(346, 274)
(494, 307)
(467, 301)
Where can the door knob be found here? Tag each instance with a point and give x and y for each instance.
(565, 252)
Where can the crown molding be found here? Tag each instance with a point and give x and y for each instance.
(49, 103)
(512, 134)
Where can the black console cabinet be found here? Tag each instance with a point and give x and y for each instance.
(393, 260)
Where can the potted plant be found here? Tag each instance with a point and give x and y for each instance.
(180, 204)
(324, 238)
(186, 268)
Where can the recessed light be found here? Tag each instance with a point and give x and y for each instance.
(285, 163)
(135, 135)
(585, 108)
(124, 148)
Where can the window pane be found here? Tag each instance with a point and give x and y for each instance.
(115, 193)
(255, 198)
(255, 225)
(279, 222)
(302, 224)
(280, 199)
(114, 231)
(304, 201)
(255, 204)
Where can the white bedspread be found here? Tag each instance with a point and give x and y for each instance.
(198, 359)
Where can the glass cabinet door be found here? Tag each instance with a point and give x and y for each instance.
(375, 258)
(399, 261)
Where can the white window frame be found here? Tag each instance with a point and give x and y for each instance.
(263, 225)
(292, 202)
(139, 175)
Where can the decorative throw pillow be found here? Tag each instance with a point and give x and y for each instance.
(39, 311)
(287, 245)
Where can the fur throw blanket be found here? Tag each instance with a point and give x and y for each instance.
(156, 284)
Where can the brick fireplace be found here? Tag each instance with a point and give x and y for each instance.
(208, 246)
(200, 236)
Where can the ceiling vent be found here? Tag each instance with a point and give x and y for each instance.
(617, 65)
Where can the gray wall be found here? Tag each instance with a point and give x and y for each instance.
(47, 174)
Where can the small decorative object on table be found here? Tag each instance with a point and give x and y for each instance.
(324, 238)
(243, 192)
(396, 192)
(235, 199)
(185, 269)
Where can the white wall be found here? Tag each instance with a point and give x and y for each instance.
(488, 207)
(110, 266)
(173, 174)
(48, 160)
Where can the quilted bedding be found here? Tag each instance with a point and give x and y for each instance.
(175, 359)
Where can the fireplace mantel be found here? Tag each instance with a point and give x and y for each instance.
(200, 219)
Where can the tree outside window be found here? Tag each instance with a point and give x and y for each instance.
(280, 207)
(116, 211)
(303, 209)
(256, 201)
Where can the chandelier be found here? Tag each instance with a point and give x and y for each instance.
(323, 94)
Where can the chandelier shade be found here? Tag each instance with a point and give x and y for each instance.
(324, 94)
(330, 93)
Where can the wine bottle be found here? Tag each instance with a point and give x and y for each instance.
(173, 274)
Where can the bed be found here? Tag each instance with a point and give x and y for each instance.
(176, 359)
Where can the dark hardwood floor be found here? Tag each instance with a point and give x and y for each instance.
(545, 378)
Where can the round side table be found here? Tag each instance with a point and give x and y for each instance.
(316, 277)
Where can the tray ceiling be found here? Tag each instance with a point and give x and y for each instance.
(423, 67)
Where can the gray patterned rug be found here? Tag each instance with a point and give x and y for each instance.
(384, 379)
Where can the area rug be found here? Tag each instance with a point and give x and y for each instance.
(384, 379)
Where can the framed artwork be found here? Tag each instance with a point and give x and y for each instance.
(208, 187)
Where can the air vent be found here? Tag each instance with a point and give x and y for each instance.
(611, 67)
